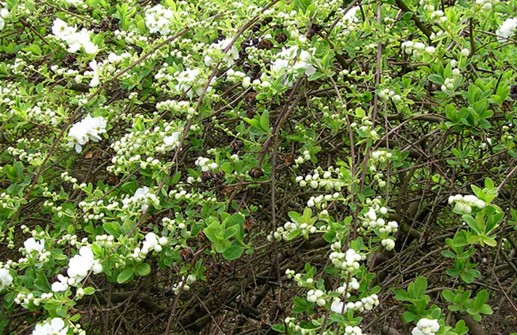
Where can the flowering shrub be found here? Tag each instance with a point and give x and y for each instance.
(300, 167)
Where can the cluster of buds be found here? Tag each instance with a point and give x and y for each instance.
(206, 164)
(486, 5)
(464, 203)
(366, 129)
(316, 296)
(304, 157)
(291, 230)
(321, 200)
(365, 304)
(426, 327)
(417, 48)
(329, 179)
(386, 94)
(348, 261)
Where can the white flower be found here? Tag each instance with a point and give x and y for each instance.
(389, 244)
(95, 72)
(75, 3)
(56, 326)
(172, 141)
(507, 29)
(157, 19)
(87, 129)
(31, 245)
(229, 57)
(4, 13)
(5, 279)
(141, 197)
(60, 285)
(150, 243)
(81, 264)
(426, 327)
(350, 15)
(61, 30)
(337, 307)
(75, 40)
(292, 59)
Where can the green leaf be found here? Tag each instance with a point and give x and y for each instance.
(89, 290)
(302, 306)
(418, 287)
(214, 231)
(437, 79)
(125, 275)
(143, 269)
(41, 282)
(468, 276)
(448, 295)
(112, 228)
(264, 121)
(233, 252)
(473, 224)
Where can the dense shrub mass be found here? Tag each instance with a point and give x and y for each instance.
(258, 167)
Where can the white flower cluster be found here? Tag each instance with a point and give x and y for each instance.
(348, 23)
(191, 279)
(353, 284)
(43, 115)
(89, 128)
(373, 220)
(353, 330)
(239, 76)
(191, 81)
(130, 37)
(142, 198)
(304, 157)
(170, 142)
(158, 19)
(107, 67)
(316, 296)
(321, 200)
(322, 179)
(78, 268)
(449, 83)
(35, 249)
(177, 108)
(293, 60)
(132, 148)
(5, 278)
(506, 30)
(386, 94)
(27, 299)
(151, 243)
(426, 327)
(486, 4)
(348, 261)
(181, 194)
(464, 203)
(381, 155)
(75, 39)
(366, 127)
(365, 304)
(216, 52)
(417, 48)
(285, 232)
(206, 164)
(75, 3)
(4, 13)
(55, 326)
